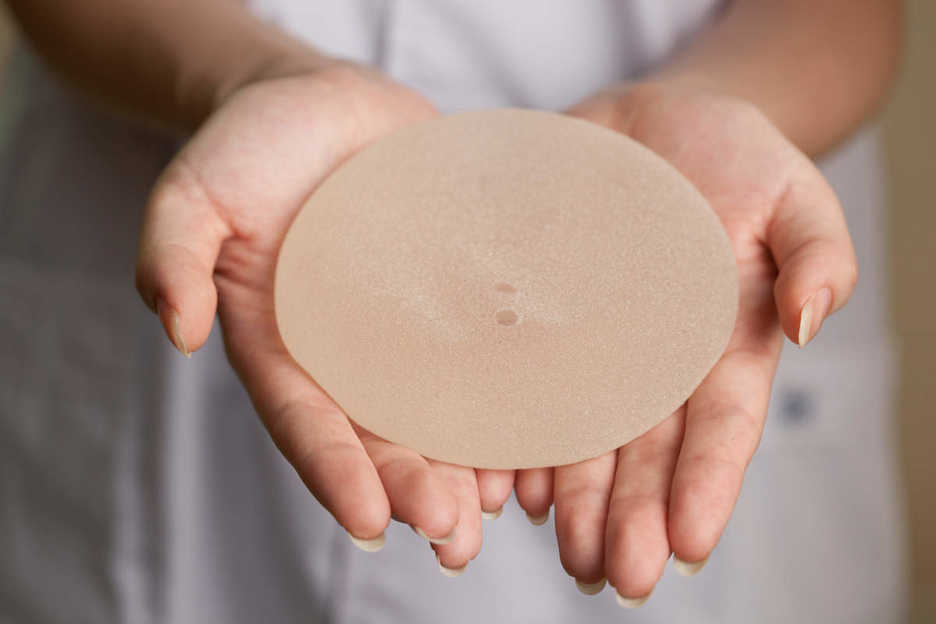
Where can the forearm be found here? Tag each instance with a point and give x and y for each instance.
(168, 60)
(816, 68)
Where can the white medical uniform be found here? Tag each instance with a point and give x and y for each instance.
(136, 486)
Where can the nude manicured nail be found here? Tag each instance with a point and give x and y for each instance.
(492, 515)
(812, 315)
(441, 541)
(177, 339)
(631, 603)
(590, 589)
(687, 568)
(450, 572)
(369, 545)
(538, 520)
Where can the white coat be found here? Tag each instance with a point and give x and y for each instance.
(139, 487)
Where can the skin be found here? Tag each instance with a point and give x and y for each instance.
(740, 126)
(673, 489)
(737, 112)
(217, 216)
(213, 229)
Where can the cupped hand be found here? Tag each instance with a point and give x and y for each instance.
(620, 516)
(213, 229)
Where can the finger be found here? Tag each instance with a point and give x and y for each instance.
(724, 420)
(494, 487)
(182, 234)
(318, 441)
(418, 495)
(462, 482)
(581, 494)
(809, 240)
(534, 488)
(637, 545)
(309, 429)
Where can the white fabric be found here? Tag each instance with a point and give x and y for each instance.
(139, 487)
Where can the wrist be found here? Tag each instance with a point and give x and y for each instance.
(653, 93)
(270, 65)
(250, 52)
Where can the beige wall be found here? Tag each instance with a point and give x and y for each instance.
(910, 135)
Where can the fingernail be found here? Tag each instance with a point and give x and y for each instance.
(492, 515)
(812, 315)
(177, 339)
(590, 589)
(687, 568)
(538, 520)
(369, 545)
(450, 572)
(441, 541)
(631, 603)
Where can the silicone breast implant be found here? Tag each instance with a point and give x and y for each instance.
(506, 288)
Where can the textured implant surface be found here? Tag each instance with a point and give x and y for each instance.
(507, 289)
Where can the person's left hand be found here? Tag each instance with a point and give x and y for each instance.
(672, 490)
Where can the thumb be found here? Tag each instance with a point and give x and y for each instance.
(809, 240)
(179, 244)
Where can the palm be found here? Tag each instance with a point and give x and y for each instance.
(620, 516)
(237, 187)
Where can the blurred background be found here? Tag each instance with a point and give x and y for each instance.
(910, 136)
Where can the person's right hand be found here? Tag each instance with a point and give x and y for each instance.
(213, 229)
